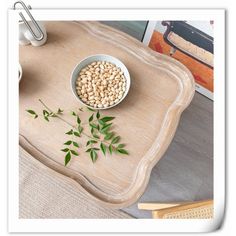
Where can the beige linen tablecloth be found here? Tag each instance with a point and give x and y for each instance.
(43, 193)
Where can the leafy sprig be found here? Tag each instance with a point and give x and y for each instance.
(71, 146)
(46, 113)
(102, 137)
(108, 140)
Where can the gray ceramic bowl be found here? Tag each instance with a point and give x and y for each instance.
(89, 60)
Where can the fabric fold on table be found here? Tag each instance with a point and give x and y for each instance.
(45, 194)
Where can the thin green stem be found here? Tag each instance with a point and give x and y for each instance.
(58, 116)
(74, 127)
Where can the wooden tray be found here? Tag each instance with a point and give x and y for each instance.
(161, 88)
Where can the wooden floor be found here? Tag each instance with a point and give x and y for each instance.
(185, 172)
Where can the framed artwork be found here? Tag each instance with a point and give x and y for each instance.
(191, 43)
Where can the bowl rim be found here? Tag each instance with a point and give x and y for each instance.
(98, 55)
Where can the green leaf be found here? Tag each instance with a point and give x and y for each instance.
(110, 148)
(78, 120)
(76, 134)
(102, 123)
(107, 118)
(73, 113)
(74, 152)
(103, 148)
(105, 128)
(91, 118)
(67, 158)
(96, 136)
(88, 150)
(93, 126)
(68, 142)
(98, 115)
(115, 139)
(109, 136)
(91, 142)
(45, 113)
(90, 109)
(65, 150)
(80, 129)
(93, 155)
(31, 112)
(122, 151)
(121, 145)
(75, 144)
(59, 111)
(88, 143)
(92, 130)
(70, 132)
(46, 118)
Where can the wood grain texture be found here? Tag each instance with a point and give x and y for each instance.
(161, 89)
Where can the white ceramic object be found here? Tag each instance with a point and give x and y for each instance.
(20, 72)
(99, 57)
(25, 36)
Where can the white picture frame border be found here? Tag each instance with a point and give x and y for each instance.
(116, 225)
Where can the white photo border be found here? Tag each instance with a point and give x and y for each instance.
(119, 225)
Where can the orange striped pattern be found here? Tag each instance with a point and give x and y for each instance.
(203, 75)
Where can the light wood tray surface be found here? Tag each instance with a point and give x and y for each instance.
(161, 88)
